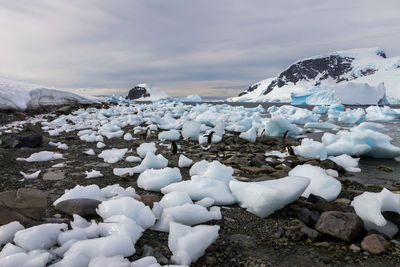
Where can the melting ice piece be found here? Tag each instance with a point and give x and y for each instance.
(171, 135)
(82, 252)
(351, 116)
(347, 162)
(145, 262)
(369, 206)
(42, 236)
(184, 161)
(189, 243)
(191, 130)
(34, 258)
(357, 142)
(188, 214)
(31, 175)
(93, 174)
(264, 198)
(121, 225)
(154, 180)
(129, 207)
(152, 161)
(250, 135)
(8, 231)
(42, 156)
(321, 183)
(115, 261)
(113, 155)
(146, 147)
(277, 126)
(311, 149)
(214, 170)
(200, 187)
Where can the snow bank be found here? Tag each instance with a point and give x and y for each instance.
(20, 96)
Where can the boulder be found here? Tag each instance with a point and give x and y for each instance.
(24, 205)
(138, 92)
(16, 141)
(149, 199)
(344, 226)
(84, 207)
(375, 244)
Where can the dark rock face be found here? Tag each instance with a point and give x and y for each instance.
(82, 206)
(316, 69)
(137, 92)
(24, 205)
(250, 89)
(16, 141)
(345, 226)
(332, 66)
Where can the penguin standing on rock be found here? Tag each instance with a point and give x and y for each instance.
(174, 148)
(209, 137)
(290, 150)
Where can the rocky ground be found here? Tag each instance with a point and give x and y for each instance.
(286, 238)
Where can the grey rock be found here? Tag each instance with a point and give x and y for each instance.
(355, 248)
(345, 226)
(308, 217)
(84, 207)
(311, 233)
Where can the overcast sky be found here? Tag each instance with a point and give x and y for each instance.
(214, 47)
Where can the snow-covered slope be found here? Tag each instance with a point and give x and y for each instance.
(17, 95)
(146, 92)
(367, 65)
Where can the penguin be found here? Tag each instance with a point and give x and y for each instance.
(174, 148)
(285, 135)
(209, 137)
(290, 150)
(148, 133)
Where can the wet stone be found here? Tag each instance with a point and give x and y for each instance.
(82, 206)
(375, 244)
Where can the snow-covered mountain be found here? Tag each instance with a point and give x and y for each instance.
(146, 92)
(320, 74)
(16, 95)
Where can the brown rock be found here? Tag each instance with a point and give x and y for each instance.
(375, 244)
(345, 226)
(279, 174)
(384, 168)
(24, 205)
(257, 170)
(343, 201)
(149, 199)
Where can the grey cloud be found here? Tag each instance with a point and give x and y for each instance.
(182, 46)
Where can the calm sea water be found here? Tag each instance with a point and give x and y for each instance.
(369, 171)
